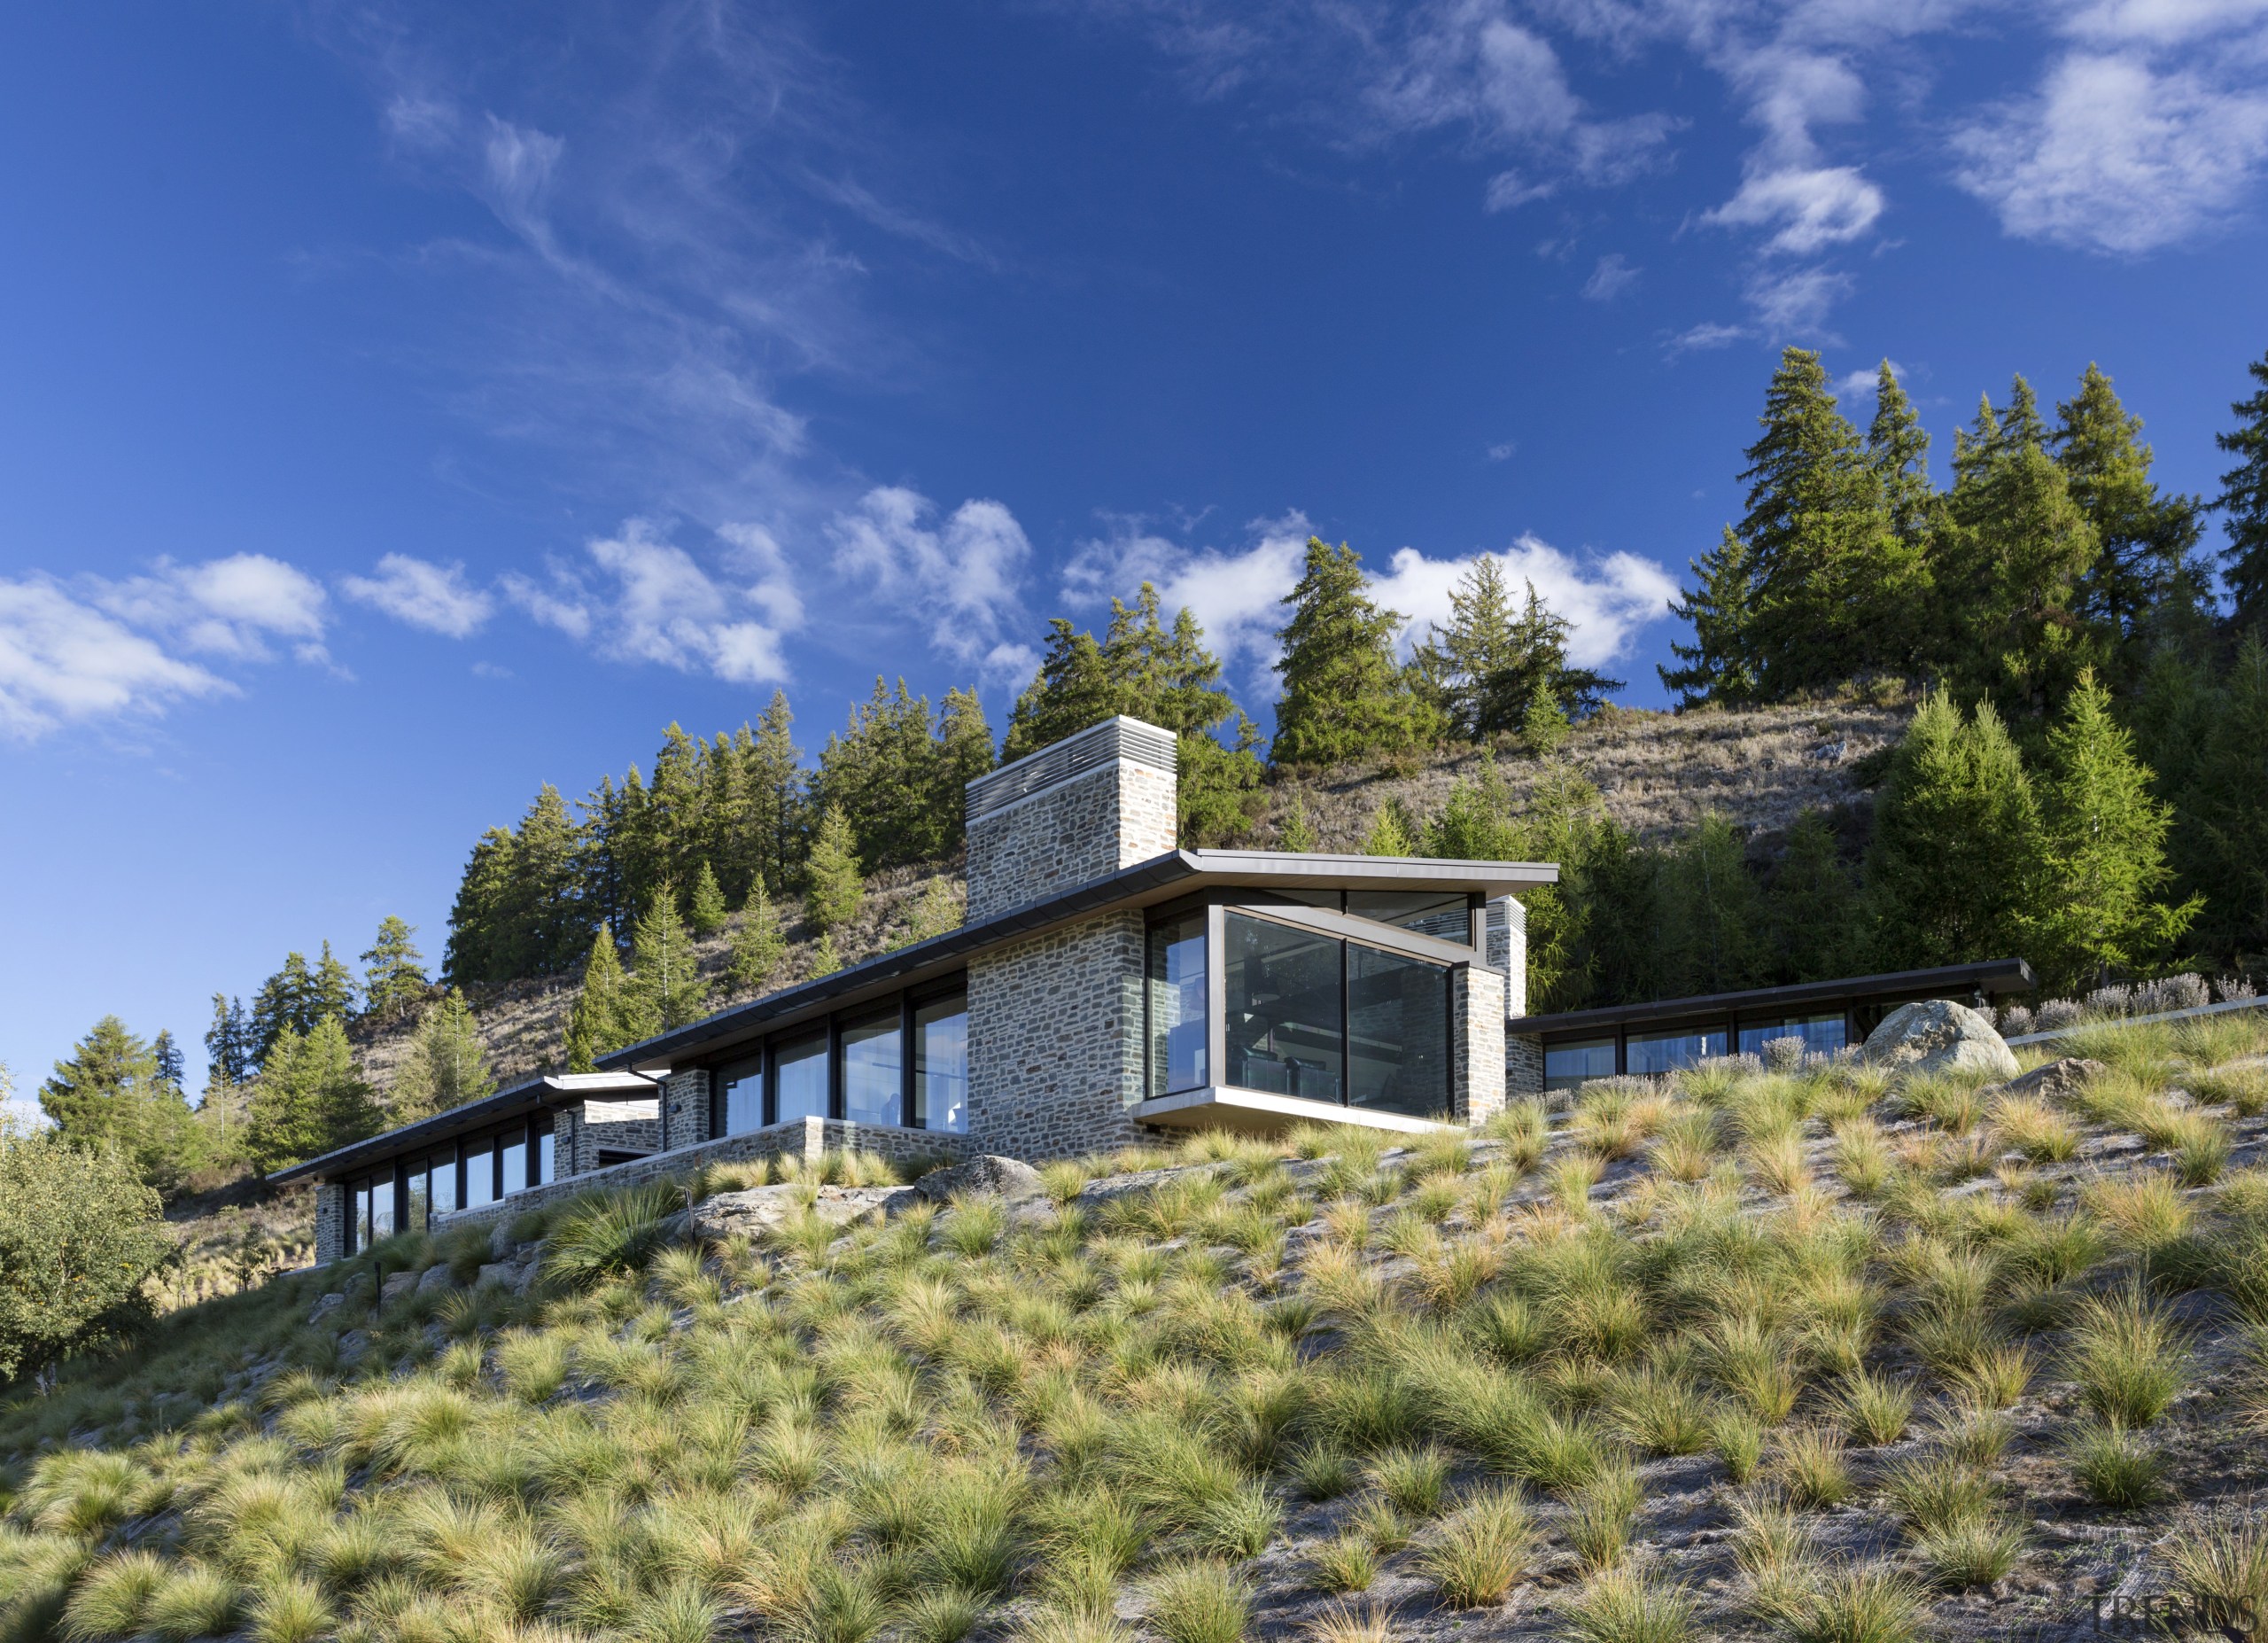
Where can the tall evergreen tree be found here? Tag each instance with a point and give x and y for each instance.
(1486, 668)
(480, 936)
(1345, 696)
(964, 754)
(881, 773)
(393, 971)
(838, 887)
(1810, 908)
(311, 1097)
(2220, 793)
(1720, 664)
(543, 925)
(2244, 499)
(446, 1065)
(597, 1022)
(167, 1054)
(331, 990)
(2146, 580)
(757, 944)
(1390, 833)
(113, 1091)
(2103, 837)
(1952, 875)
(777, 796)
(1897, 449)
(707, 911)
(599, 883)
(665, 989)
(231, 1045)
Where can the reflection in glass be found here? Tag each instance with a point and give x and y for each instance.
(382, 1222)
(802, 1073)
(1567, 1066)
(512, 1152)
(479, 1176)
(1283, 1027)
(1397, 1033)
(1428, 911)
(358, 1223)
(1176, 989)
(418, 1219)
(874, 1064)
(741, 1094)
(941, 1065)
(445, 1183)
(1671, 1052)
(1823, 1035)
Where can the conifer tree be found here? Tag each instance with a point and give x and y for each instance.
(777, 794)
(838, 887)
(596, 1021)
(1709, 914)
(2220, 843)
(880, 775)
(1345, 696)
(1485, 668)
(393, 971)
(1544, 726)
(1810, 908)
(757, 944)
(665, 989)
(286, 1000)
(113, 1091)
(2145, 583)
(934, 914)
(541, 924)
(964, 754)
(1897, 447)
(708, 913)
(229, 1045)
(1390, 833)
(1953, 873)
(2244, 500)
(824, 959)
(446, 1065)
(310, 1098)
(598, 883)
(1296, 832)
(2103, 837)
(1718, 666)
(480, 938)
(167, 1054)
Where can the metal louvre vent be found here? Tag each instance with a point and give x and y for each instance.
(1105, 743)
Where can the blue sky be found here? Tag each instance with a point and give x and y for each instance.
(402, 406)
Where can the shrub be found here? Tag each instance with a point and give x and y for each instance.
(1198, 1601)
(1623, 1606)
(80, 1237)
(1482, 1550)
(2127, 1358)
(2117, 1467)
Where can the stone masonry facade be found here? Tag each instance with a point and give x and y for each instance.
(330, 1221)
(1055, 1040)
(1508, 951)
(581, 1133)
(1108, 817)
(1477, 1080)
(685, 1108)
(1523, 1064)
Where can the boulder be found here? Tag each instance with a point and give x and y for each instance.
(325, 1305)
(436, 1277)
(504, 1273)
(2055, 1080)
(987, 1176)
(394, 1288)
(758, 1210)
(1938, 1036)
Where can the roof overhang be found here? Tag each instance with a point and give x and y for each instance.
(1146, 884)
(557, 1089)
(1992, 976)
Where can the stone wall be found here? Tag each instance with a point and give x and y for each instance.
(1106, 818)
(1523, 1064)
(1055, 1040)
(330, 1221)
(1478, 1080)
(685, 1108)
(581, 1131)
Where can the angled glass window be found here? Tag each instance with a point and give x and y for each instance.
(1823, 1035)
(874, 1069)
(1428, 911)
(1177, 1006)
(1285, 1027)
(1671, 1052)
(1397, 1033)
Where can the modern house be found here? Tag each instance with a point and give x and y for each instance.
(1106, 985)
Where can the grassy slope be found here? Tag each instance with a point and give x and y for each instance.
(1772, 1353)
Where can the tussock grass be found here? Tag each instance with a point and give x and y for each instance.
(1482, 1550)
(2127, 1356)
(2116, 1468)
(2220, 1563)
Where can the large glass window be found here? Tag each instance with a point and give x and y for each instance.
(1429, 912)
(1670, 1051)
(1397, 1033)
(419, 1215)
(1285, 1024)
(443, 1182)
(1177, 1006)
(382, 1216)
(545, 1165)
(874, 1069)
(941, 1065)
(1823, 1035)
(358, 1220)
(1567, 1066)
(512, 1155)
(800, 1076)
(479, 1174)
(739, 1098)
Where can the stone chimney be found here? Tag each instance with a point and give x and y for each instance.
(1073, 812)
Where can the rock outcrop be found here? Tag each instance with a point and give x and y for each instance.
(2057, 1080)
(1938, 1036)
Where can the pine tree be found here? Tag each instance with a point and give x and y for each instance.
(113, 1091)
(595, 1022)
(757, 945)
(1390, 833)
(1719, 665)
(1897, 447)
(665, 989)
(1344, 697)
(310, 1098)
(824, 960)
(880, 774)
(1709, 912)
(2104, 851)
(542, 923)
(2244, 499)
(1073, 689)
(1485, 668)
(1953, 874)
(480, 939)
(2220, 841)
(2146, 582)
(936, 913)
(1544, 726)
(446, 1065)
(331, 990)
(837, 882)
(1810, 908)
(229, 1045)
(599, 883)
(707, 912)
(393, 971)
(167, 1054)
(777, 803)
(1296, 832)
(964, 754)
(286, 1000)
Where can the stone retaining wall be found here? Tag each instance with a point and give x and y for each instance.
(1523, 1064)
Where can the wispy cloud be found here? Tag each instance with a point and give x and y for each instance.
(1610, 278)
(233, 607)
(435, 597)
(960, 575)
(65, 662)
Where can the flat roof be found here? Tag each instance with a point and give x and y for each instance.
(1990, 977)
(550, 1089)
(1146, 884)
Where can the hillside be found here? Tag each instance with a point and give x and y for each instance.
(1814, 1354)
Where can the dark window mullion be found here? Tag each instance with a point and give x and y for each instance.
(906, 1113)
(1346, 1028)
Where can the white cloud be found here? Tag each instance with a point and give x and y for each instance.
(63, 663)
(432, 597)
(1503, 450)
(230, 607)
(1708, 334)
(1610, 278)
(958, 576)
(2162, 22)
(1862, 383)
(1797, 300)
(1811, 208)
(2113, 154)
(1607, 601)
(664, 606)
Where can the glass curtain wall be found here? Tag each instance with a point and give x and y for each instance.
(799, 1076)
(1176, 968)
(1397, 1033)
(874, 1069)
(1286, 1014)
(941, 1065)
